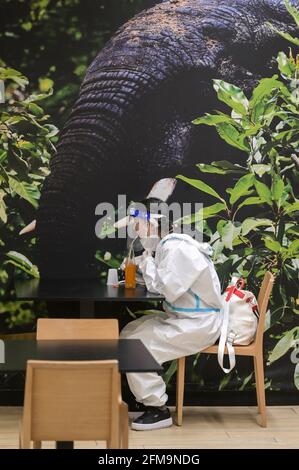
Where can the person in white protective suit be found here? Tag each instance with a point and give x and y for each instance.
(179, 268)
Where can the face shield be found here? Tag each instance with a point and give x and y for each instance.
(139, 218)
(143, 230)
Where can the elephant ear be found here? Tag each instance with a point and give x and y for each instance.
(162, 189)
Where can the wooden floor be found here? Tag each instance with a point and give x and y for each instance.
(203, 428)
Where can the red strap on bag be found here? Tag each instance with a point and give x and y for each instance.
(235, 289)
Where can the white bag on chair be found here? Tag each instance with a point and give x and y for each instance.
(240, 320)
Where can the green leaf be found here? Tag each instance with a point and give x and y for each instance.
(25, 191)
(24, 144)
(294, 12)
(14, 75)
(277, 187)
(150, 311)
(252, 223)
(241, 187)
(3, 215)
(272, 245)
(291, 207)
(232, 95)
(288, 37)
(231, 135)
(224, 382)
(213, 119)
(230, 167)
(201, 186)
(205, 168)
(221, 168)
(214, 209)
(3, 174)
(35, 109)
(18, 164)
(293, 230)
(263, 90)
(260, 169)
(3, 155)
(53, 130)
(296, 376)
(246, 381)
(229, 233)
(226, 165)
(112, 262)
(45, 84)
(170, 371)
(263, 191)
(22, 262)
(203, 214)
(27, 25)
(283, 345)
(293, 249)
(38, 96)
(285, 65)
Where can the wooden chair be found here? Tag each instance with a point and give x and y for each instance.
(73, 401)
(77, 329)
(255, 350)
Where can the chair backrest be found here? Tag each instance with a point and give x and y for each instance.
(263, 301)
(77, 329)
(68, 401)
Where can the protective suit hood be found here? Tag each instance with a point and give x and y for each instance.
(204, 247)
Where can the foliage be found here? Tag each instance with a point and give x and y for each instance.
(26, 142)
(53, 42)
(21, 313)
(254, 225)
(295, 14)
(31, 34)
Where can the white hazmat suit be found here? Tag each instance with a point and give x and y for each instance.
(184, 274)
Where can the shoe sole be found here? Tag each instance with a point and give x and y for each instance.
(164, 423)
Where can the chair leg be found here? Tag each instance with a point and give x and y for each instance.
(24, 440)
(113, 443)
(37, 445)
(124, 426)
(180, 385)
(260, 388)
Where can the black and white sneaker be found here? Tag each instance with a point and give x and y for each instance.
(152, 418)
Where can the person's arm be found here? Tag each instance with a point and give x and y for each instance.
(179, 267)
(149, 272)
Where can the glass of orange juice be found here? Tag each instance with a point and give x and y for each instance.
(130, 275)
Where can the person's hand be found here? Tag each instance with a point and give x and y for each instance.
(145, 255)
(123, 264)
(138, 260)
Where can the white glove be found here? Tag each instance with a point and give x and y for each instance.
(145, 255)
(138, 260)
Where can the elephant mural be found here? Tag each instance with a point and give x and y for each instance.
(131, 123)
